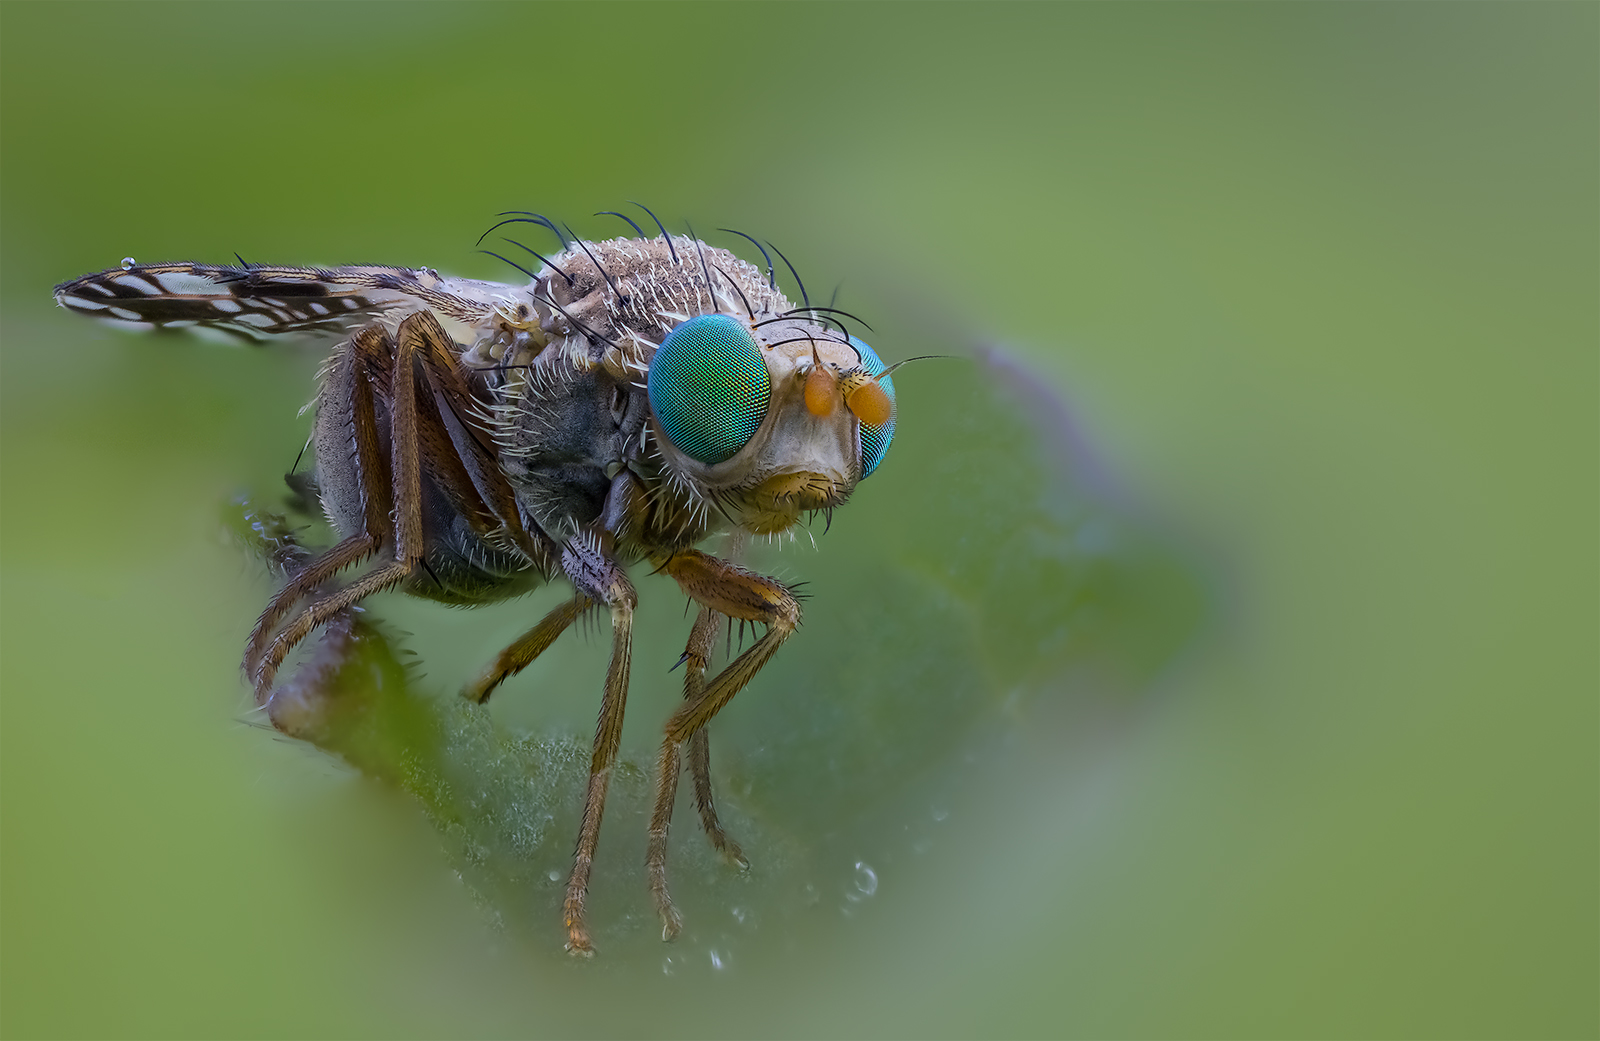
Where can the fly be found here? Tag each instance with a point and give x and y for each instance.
(475, 439)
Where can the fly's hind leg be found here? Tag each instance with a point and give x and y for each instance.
(305, 704)
(725, 589)
(365, 361)
(391, 488)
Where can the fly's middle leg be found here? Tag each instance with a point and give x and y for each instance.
(525, 648)
(722, 589)
(588, 563)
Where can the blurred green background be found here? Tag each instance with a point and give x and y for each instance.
(1318, 284)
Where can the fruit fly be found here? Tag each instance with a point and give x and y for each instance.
(475, 439)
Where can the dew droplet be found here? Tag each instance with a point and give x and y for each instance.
(866, 882)
(553, 875)
(940, 816)
(716, 959)
(127, 263)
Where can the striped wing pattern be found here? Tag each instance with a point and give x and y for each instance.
(253, 301)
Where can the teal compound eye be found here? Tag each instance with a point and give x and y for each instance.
(875, 437)
(709, 387)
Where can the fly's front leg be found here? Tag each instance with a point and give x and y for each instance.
(588, 563)
(731, 590)
(723, 589)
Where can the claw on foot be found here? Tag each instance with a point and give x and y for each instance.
(726, 847)
(578, 943)
(671, 923)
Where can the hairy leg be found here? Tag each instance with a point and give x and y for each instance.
(526, 648)
(699, 757)
(668, 767)
(405, 493)
(365, 360)
(723, 589)
(587, 561)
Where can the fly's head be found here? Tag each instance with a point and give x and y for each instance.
(769, 418)
(759, 411)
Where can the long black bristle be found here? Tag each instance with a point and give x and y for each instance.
(542, 257)
(822, 320)
(614, 213)
(803, 297)
(575, 323)
(663, 228)
(711, 287)
(835, 310)
(603, 272)
(513, 263)
(429, 570)
(542, 222)
(541, 219)
(742, 299)
(771, 284)
(811, 339)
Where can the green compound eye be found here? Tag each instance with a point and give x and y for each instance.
(709, 387)
(875, 438)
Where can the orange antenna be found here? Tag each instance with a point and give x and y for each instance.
(865, 398)
(822, 387)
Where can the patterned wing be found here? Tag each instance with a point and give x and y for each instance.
(253, 301)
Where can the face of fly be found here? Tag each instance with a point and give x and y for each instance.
(804, 395)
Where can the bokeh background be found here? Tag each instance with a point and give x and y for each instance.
(1316, 288)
